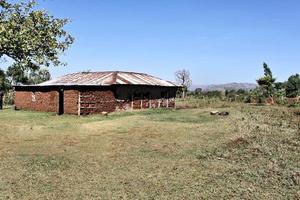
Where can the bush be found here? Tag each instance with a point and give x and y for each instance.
(9, 98)
(293, 86)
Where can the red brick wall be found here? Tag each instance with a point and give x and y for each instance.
(97, 102)
(44, 101)
(71, 102)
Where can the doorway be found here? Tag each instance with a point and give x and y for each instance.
(61, 102)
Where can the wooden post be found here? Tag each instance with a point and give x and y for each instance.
(167, 99)
(132, 101)
(175, 102)
(79, 103)
(141, 101)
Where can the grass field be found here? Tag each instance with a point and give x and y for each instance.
(158, 154)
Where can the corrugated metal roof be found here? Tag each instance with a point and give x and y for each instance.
(109, 78)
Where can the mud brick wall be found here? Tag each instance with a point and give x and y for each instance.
(38, 101)
(155, 103)
(71, 98)
(123, 105)
(146, 103)
(172, 103)
(97, 101)
(136, 104)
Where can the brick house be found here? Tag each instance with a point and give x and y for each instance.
(95, 92)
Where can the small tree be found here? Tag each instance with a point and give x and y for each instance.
(293, 86)
(183, 78)
(4, 83)
(267, 82)
(198, 91)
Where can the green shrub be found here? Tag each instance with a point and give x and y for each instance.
(9, 98)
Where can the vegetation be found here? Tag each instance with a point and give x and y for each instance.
(268, 91)
(267, 82)
(28, 77)
(33, 39)
(293, 86)
(183, 78)
(176, 154)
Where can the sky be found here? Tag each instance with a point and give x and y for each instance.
(218, 41)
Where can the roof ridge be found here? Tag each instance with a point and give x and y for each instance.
(109, 78)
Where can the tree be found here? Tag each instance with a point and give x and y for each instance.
(266, 82)
(183, 78)
(4, 83)
(293, 86)
(198, 90)
(19, 76)
(231, 94)
(280, 86)
(39, 76)
(32, 38)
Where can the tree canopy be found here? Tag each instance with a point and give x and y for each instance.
(17, 75)
(293, 86)
(32, 38)
(267, 82)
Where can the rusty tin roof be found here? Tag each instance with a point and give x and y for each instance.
(108, 78)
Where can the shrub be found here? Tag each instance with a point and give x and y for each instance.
(9, 98)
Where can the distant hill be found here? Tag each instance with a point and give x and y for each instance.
(227, 86)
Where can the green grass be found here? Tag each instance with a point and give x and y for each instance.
(254, 153)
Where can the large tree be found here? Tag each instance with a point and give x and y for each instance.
(183, 78)
(28, 77)
(32, 38)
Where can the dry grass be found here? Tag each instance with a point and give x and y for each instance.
(160, 154)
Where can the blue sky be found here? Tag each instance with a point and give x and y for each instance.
(218, 41)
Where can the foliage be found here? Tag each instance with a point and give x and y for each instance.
(207, 94)
(40, 76)
(31, 37)
(293, 86)
(230, 95)
(27, 76)
(267, 82)
(4, 83)
(9, 98)
(17, 74)
(198, 90)
(280, 86)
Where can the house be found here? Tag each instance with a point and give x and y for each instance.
(96, 92)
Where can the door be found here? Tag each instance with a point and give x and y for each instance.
(61, 102)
